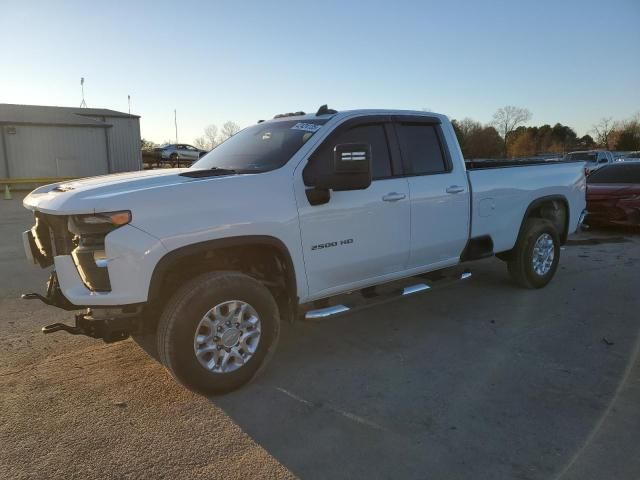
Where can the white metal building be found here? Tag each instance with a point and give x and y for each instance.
(41, 142)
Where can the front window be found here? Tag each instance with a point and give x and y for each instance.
(262, 147)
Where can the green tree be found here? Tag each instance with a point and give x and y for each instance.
(586, 141)
(147, 144)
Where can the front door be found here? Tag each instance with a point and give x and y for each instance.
(357, 235)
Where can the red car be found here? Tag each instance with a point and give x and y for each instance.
(613, 195)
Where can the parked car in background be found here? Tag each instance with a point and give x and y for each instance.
(631, 156)
(177, 154)
(594, 159)
(613, 195)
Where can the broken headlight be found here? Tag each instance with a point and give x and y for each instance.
(89, 255)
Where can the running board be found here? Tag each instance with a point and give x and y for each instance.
(369, 296)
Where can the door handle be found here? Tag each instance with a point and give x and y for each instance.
(455, 189)
(394, 197)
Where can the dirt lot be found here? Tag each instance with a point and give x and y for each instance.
(479, 380)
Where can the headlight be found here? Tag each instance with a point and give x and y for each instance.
(89, 255)
(98, 223)
(116, 219)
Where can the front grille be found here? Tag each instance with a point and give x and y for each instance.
(52, 237)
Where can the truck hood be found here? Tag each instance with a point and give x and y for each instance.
(93, 194)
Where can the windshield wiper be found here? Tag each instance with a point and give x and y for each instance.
(212, 172)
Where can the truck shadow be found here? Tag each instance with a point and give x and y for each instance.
(441, 385)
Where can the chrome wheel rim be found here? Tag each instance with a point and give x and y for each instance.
(543, 254)
(227, 336)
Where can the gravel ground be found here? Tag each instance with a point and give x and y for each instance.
(480, 380)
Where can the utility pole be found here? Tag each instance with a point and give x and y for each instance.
(83, 104)
(129, 101)
(175, 121)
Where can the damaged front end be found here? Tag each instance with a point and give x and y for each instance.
(81, 237)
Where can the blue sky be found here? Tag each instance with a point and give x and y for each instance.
(567, 61)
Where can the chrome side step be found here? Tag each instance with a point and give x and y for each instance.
(326, 312)
(418, 287)
(366, 298)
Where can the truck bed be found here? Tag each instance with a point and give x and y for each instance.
(502, 190)
(481, 164)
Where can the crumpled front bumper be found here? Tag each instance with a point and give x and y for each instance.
(131, 256)
(108, 324)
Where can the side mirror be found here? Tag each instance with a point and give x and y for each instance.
(351, 168)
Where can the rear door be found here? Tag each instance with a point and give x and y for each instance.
(440, 196)
(358, 235)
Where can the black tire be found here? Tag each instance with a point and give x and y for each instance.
(520, 263)
(173, 159)
(182, 314)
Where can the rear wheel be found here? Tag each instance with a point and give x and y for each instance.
(173, 160)
(534, 260)
(218, 331)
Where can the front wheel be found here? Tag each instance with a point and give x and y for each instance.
(218, 331)
(534, 260)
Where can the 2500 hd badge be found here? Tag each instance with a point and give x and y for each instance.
(320, 246)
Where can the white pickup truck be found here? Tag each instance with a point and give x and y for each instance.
(302, 215)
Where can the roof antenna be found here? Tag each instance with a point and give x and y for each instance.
(324, 110)
(83, 104)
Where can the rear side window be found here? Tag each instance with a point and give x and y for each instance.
(421, 149)
(373, 134)
(582, 156)
(616, 174)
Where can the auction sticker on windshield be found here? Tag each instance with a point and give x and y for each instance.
(306, 127)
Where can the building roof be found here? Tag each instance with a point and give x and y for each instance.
(45, 115)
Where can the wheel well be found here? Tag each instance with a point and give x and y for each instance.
(554, 209)
(264, 261)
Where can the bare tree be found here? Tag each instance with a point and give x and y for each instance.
(603, 130)
(201, 142)
(467, 125)
(229, 129)
(507, 119)
(211, 134)
(209, 140)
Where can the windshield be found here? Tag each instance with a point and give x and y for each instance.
(262, 147)
(584, 156)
